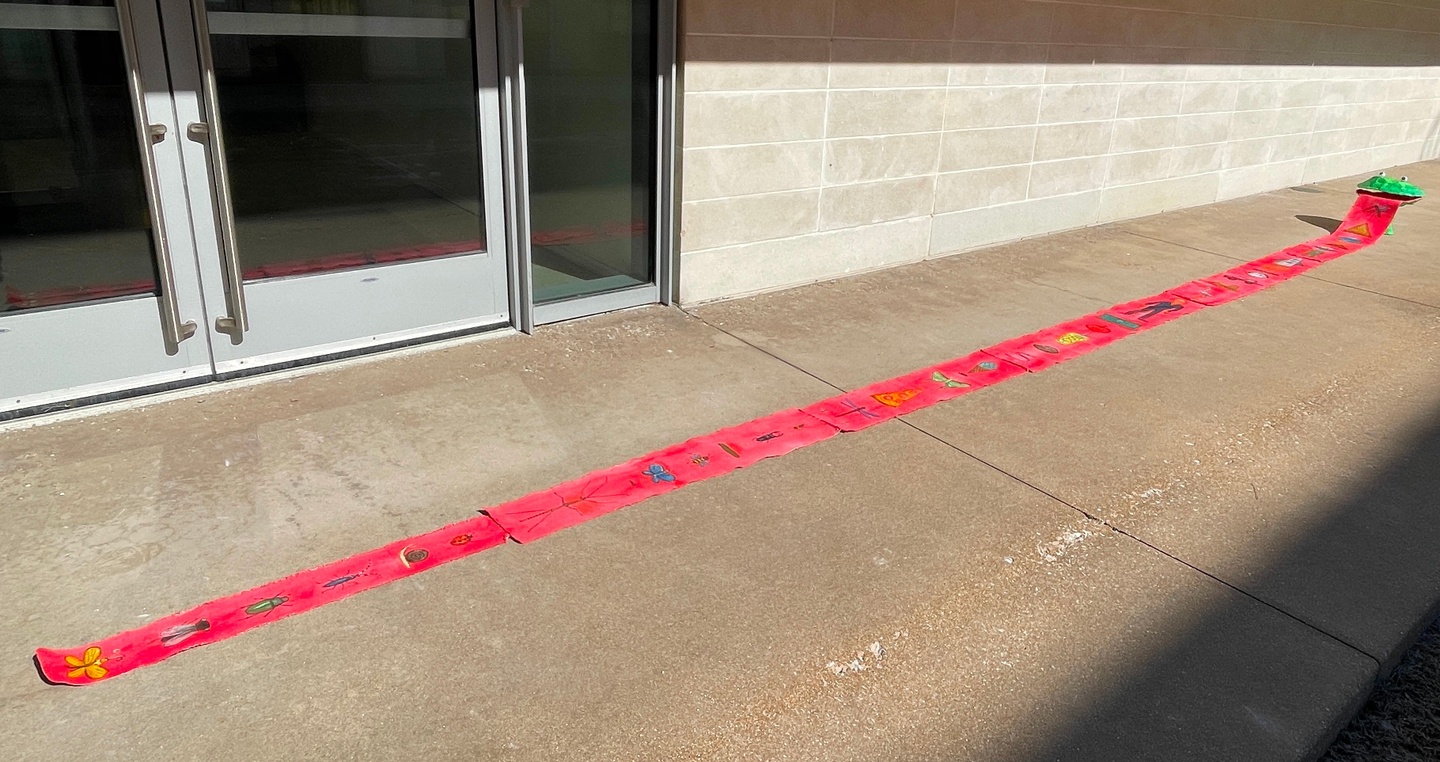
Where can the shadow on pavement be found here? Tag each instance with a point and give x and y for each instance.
(1328, 224)
(1379, 541)
(1401, 722)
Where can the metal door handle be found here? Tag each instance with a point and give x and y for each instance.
(208, 131)
(148, 134)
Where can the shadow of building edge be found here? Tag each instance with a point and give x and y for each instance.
(1404, 495)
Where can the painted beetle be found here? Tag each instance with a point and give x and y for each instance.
(338, 581)
(266, 606)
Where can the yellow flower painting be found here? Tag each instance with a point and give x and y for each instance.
(89, 665)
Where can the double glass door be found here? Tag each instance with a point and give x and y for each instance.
(193, 189)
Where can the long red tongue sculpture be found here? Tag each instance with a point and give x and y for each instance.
(536, 515)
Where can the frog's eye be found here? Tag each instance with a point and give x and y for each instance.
(1404, 178)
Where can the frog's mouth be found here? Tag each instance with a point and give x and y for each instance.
(1389, 187)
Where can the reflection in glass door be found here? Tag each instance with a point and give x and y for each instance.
(74, 217)
(348, 138)
(266, 182)
(589, 79)
(345, 142)
(89, 290)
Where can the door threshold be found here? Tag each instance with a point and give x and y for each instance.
(153, 394)
(597, 304)
(64, 409)
(286, 360)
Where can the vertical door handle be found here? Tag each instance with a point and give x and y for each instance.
(237, 322)
(173, 329)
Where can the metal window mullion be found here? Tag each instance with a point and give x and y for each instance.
(667, 240)
(517, 169)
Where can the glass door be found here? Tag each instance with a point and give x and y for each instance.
(98, 286)
(340, 157)
(588, 71)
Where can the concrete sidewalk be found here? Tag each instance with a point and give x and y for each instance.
(1202, 543)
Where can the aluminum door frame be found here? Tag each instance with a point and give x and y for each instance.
(126, 351)
(189, 107)
(670, 107)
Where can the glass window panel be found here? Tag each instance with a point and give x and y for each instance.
(352, 141)
(590, 83)
(74, 221)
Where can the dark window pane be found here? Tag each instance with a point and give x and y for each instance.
(590, 74)
(349, 149)
(74, 221)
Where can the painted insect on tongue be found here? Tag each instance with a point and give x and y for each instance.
(895, 399)
(178, 633)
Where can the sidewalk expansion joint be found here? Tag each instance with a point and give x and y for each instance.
(762, 350)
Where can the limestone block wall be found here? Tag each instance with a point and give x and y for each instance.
(825, 137)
